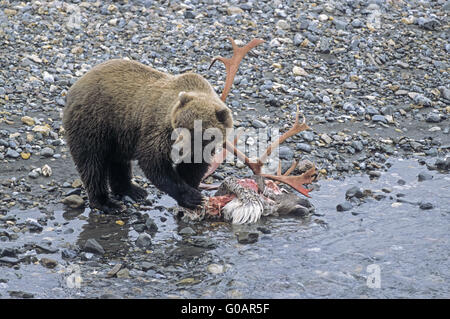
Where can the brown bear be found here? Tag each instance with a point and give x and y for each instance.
(123, 110)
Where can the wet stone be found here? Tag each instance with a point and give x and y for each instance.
(12, 153)
(374, 174)
(247, 237)
(424, 176)
(114, 270)
(286, 153)
(433, 118)
(144, 241)
(73, 201)
(426, 206)
(34, 226)
(9, 260)
(145, 265)
(151, 225)
(354, 191)
(139, 227)
(48, 263)
(304, 147)
(94, 247)
(47, 152)
(344, 207)
(379, 118)
(123, 273)
(20, 294)
(68, 254)
(443, 164)
(187, 231)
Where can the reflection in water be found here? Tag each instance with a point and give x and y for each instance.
(108, 231)
(332, 255)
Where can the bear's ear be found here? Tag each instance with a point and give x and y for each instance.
(222, 115)
(185, 98)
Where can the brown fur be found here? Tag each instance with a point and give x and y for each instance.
(123, 110)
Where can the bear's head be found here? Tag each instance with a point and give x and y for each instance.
(197, 108)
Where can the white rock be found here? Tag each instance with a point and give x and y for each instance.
(297, 70)
(46, 170)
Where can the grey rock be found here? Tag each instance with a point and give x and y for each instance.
(258, 124)
(433, 117)
(12, 153)
(144, 241)
(73, 201)
(357, 23)
(151, 225)
(47, 152)
(247, 237)
(339, 24)
(286, 153)
(187, 231)
(443, 164)
(304, 147)
(426, 205)
(420, 99)
(354, 191)
(48, 263)
(34, 226)
(92, 246)
(424, 176)
(357, 145)
(379, 118)
(298, 39)
(145, 265)
(350, 85)
(344, 207)
(9, 260)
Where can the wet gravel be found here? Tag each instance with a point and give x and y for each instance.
(371, 78)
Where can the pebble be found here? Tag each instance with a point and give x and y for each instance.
(123, 273)
(27, 120)
(187, 231)
(92, 246)
(343, 207)
(144, 241)
(215, 269)
(424, 176)
(48, 263)
(354, 191)
(47, 152)
(299, 71)
(73, 201)
(12, 153)
(151, 225)
(286, 153)
(426, 206)
(247, 237)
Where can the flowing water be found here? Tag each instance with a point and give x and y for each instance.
(386, 247)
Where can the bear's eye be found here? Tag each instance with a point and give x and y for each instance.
(222, 115)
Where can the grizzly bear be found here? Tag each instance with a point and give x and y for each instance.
(123, 110)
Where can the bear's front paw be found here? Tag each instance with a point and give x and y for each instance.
(190, 198)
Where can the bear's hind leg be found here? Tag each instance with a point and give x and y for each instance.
(120, 181)
(93, 174)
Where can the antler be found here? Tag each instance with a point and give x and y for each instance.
(232, 64)
(231, 67)
(295, 182)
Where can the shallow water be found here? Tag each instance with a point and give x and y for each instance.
(331, 255)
